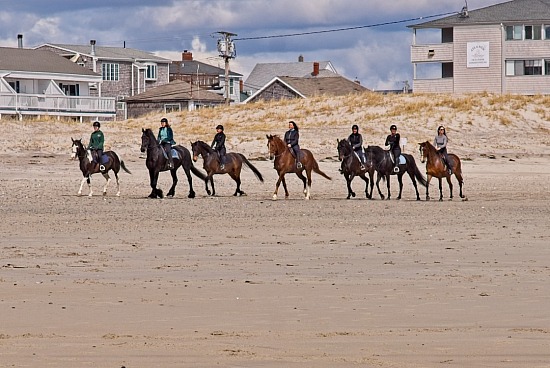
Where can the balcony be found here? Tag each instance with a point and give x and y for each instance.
(56, 105)
(439, 53)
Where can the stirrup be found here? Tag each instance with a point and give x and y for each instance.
(396, 169)
(299, 165)
(101, 168)
(363, 168)
(222, 167)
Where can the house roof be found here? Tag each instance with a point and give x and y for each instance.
(109, 53)
(265, 72)
(509, 12)
(39, 61)
(176, 90)
(188, 67)
(334, 85)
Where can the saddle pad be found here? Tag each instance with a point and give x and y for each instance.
(174, 153)
(402, 160)
(104, 159)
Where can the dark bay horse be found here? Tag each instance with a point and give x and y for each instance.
(285, 163)
(380, 159)
(435, 167)
(88, 168)
(157, 162)
(233, 164)
(351, 167)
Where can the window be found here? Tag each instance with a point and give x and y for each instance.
(533, 32)
(231, 86)
(110, 72)
(151, 73)
(514, 33)
(524, 67)
(547, 32)
(546, 67)
(172, 108)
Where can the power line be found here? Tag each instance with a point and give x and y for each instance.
(343, 29)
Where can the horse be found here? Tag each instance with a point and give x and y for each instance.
(351, 167)
(381, 160)
(156, 162)
(285, 163)
(110, 160)
(435, 167)
(232, 166)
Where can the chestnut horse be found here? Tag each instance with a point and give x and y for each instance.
(233, 164)
(351, 167)
(88, 168)
(435, 167)
(284, 163)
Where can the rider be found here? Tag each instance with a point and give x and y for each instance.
(392, 140)
(440, 143)
(218, 144)
(166, 140)
(356, 141)
(96, 145)
(292, 137)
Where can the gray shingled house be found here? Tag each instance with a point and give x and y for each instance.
(40, 82)
(174, 96)
(125, 71)
(503, 48)
(206, 76)
(264, 73)
(298, 87)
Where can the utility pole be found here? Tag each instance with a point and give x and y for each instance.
(227, 51)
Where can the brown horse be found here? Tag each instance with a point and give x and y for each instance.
(233, 164)
(111, 161)
(351, 167)
(284, 163)
(436, 167)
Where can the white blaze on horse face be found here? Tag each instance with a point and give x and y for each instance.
(73, 154)
(89, 154)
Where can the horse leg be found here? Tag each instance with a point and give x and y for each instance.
(212, 184)
(117, 184)
(285, 188)
(413, 179)
(153, 179)
(89, 181)
(460, 183)
(362, 176)
(450, 187)
(440, 189)
(308, 190)
(349, 178)
(400, 180)
(388, 185)
(108, 178)
(189, 180)
(281, 178)
(82, 184)
(428, 178)
(172, 191)
(378, 178)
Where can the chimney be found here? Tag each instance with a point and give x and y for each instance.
(301, 58)
(92, 43)
(241, 86)
(20, 41)
(315, 69)
(186, 56)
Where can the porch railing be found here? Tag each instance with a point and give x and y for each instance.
(56, 105)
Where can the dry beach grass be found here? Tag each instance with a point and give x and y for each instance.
(249, 282)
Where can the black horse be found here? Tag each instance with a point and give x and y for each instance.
(111, 162)
(351, 167)
(156, 162)
(381, 161)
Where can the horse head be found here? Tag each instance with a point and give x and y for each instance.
(195, 150)
(344, 149)
(423, 148)
(77, 148)
(275, 146)
(147, 139)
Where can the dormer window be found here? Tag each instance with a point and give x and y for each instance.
(151, 73)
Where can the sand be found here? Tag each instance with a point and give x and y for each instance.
(250, 282)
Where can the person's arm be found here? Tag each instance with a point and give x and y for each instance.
(359, 144)
(397, 140)
(213, 145)
(387, 141)
(221, 142)
(170, 135)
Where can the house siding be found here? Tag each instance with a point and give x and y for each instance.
(488, 79)
(276, 91)
(138, 109)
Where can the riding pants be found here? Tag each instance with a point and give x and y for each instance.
(361, 155)
(396, 153)
(167, 147)
(445, 156)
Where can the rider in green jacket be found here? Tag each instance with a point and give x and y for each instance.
(96, 145)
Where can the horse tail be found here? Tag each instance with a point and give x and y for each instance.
(197, 172)
(254, 170)
(418, 175)
(318, 171)
(124, 167)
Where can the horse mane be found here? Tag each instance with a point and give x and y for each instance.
(205, 146)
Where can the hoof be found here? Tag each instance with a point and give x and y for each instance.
(191, 195)
(79, 194)
(118, 194)
(353, 194)
(274, 197)
(104, 194)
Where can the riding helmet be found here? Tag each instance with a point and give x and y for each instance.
(354, 126)
(393, 127)
(220, 127)
(163, 120)
(96, 124)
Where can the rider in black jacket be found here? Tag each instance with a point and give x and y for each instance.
(218, 144)
(292, 137)
(356, 141)
(393, 141)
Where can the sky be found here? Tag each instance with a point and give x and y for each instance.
(375, 53)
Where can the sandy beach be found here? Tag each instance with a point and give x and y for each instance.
(107, 281)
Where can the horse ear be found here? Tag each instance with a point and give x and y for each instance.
(142, 130)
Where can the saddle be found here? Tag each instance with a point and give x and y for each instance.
(402, 159)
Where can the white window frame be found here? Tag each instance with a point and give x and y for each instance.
(110, 71)
(172, 107)
(151, 74)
